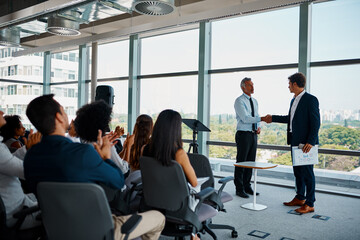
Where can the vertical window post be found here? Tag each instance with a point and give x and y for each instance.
(305, 41)
(134, 82)
(94, 65)
(82, 75)
(47, 73)
(204, 84)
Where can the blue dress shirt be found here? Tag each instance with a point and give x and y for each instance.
(58, 159)
(243, 113)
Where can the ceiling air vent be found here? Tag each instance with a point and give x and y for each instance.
(63, 26)
(10, 37)
(154, 7)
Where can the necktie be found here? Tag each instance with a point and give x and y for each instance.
(252, 114)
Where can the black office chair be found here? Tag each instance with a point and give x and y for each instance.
(75, 211)
(165, 189)
(14, 232)
(202, 168)
(134, 190)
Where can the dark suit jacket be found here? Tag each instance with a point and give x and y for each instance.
(58, 159)
(306, 121)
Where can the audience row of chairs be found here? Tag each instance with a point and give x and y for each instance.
(80, 210)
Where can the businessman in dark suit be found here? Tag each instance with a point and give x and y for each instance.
(303, 123)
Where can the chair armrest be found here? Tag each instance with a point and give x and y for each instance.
(131, 224)
(138, 187)
(136, 181)
(205, 193)
(224, 181)
(26, 211)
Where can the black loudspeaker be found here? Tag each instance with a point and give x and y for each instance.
(105, 93)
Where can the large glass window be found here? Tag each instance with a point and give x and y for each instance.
(337, 91)
(15, 96)
(260, 39)
(177, 93)
(64, 70)
(66, 95)
(113, 59)
(175, 52)
(273, 96)
(335, 30)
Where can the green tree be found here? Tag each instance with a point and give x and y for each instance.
(339, 135)
(283, 159)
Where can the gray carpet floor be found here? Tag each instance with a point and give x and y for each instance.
(343, 212)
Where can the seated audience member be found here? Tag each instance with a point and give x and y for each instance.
(72, 134)
(58, 159)
(166, 145)
(91, 118)
(12, 132)
(10, 187)
(142, 131)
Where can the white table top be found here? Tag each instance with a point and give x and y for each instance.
(257, 165)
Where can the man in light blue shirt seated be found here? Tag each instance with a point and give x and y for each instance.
(247, 129)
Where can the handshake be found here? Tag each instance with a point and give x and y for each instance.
(267, 118)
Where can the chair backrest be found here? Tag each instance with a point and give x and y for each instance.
(75, 211)
(164, 187)
(135, 175)
(202, 168)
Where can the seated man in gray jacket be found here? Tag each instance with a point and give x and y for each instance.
(10, 187)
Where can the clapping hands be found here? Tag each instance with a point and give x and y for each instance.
(113, 135)
(267, 118)
(103, 145)
(119, 131)
(32, 139)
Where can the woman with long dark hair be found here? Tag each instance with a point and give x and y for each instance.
(142, 132)
(166, 144)
(12, 131)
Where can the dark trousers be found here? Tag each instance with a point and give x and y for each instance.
(305, 181)
(246, 143)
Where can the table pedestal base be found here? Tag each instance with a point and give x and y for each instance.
(255, 207)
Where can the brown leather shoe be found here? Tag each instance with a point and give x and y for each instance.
(305, 209)
(295, 202)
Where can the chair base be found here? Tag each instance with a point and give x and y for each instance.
(209, 231)
(221, 226)
(234, 233)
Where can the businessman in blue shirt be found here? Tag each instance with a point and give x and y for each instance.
(247, 129)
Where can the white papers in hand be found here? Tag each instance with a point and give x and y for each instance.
(300, 158)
